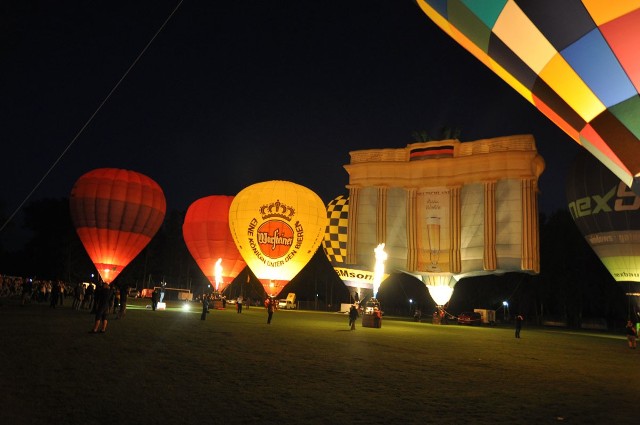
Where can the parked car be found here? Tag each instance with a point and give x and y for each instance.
(288, 303)
(469, 318)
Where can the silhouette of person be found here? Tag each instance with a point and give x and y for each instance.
(353, 316)
(205, 307)
(519, 320)
(269, 303)
(102, 304)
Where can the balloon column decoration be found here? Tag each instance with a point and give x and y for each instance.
(607, 213)
(116, 213)
(208, 239)
(576, 61)
(277, 226)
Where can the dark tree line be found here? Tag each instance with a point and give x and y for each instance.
(573, 284)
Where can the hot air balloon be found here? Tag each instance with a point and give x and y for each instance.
(207, 236)
(607, 213)
(277, 226)
(440, 224)
(116, 213)
(358, 277)
(576, 61)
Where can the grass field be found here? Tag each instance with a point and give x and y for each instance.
(170, 367)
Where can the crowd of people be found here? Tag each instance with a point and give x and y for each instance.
(55, 293)
(35, 290)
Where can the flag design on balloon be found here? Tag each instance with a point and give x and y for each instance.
(116, 213)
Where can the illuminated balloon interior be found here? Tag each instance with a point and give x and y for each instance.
(277, 227)
(116, 213)
(208, 238)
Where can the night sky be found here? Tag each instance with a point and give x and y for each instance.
(233, 93)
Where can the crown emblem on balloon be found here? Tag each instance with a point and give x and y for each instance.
(277, 209)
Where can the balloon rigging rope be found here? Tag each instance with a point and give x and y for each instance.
(86, 124)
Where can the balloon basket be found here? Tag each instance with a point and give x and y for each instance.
(368, 321)
(372, 317)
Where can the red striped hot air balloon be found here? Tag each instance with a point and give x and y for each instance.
(208, 238)
(116, 214)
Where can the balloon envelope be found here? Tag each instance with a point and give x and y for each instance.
(277, 226)
(576, 61)
(208, 238)
(335, 247)
(607, 213)
(116, 213)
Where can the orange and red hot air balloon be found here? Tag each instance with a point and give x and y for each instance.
(116, 214)
(208, 238)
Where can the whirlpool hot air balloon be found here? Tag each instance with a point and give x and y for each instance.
(607, 213)
(576, 61)
(116, 213)
(208, 238)
(277, 226)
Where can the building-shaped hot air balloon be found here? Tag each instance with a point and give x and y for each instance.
(208, 238)
(607, 213)
(447, 210)
(116, 213)
(277, 226)
(576, 61)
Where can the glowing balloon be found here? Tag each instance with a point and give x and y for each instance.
(207, 236)
(358, 277)
(576, 61)
(116, 213)
(607, 213)
(438, 224)
(277, 227)
(440, 287)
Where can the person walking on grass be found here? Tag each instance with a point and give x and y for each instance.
(519, 320)
(632, 335)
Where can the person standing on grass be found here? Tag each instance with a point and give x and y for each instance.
(632, 335)
(269, 303)
(353, 316)
(154, 299)
(124, 293)
(519, 320)
(205, 307)
(377, 317)
(102, 304)
(239, 304)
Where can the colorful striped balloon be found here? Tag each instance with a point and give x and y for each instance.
(576, 61)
